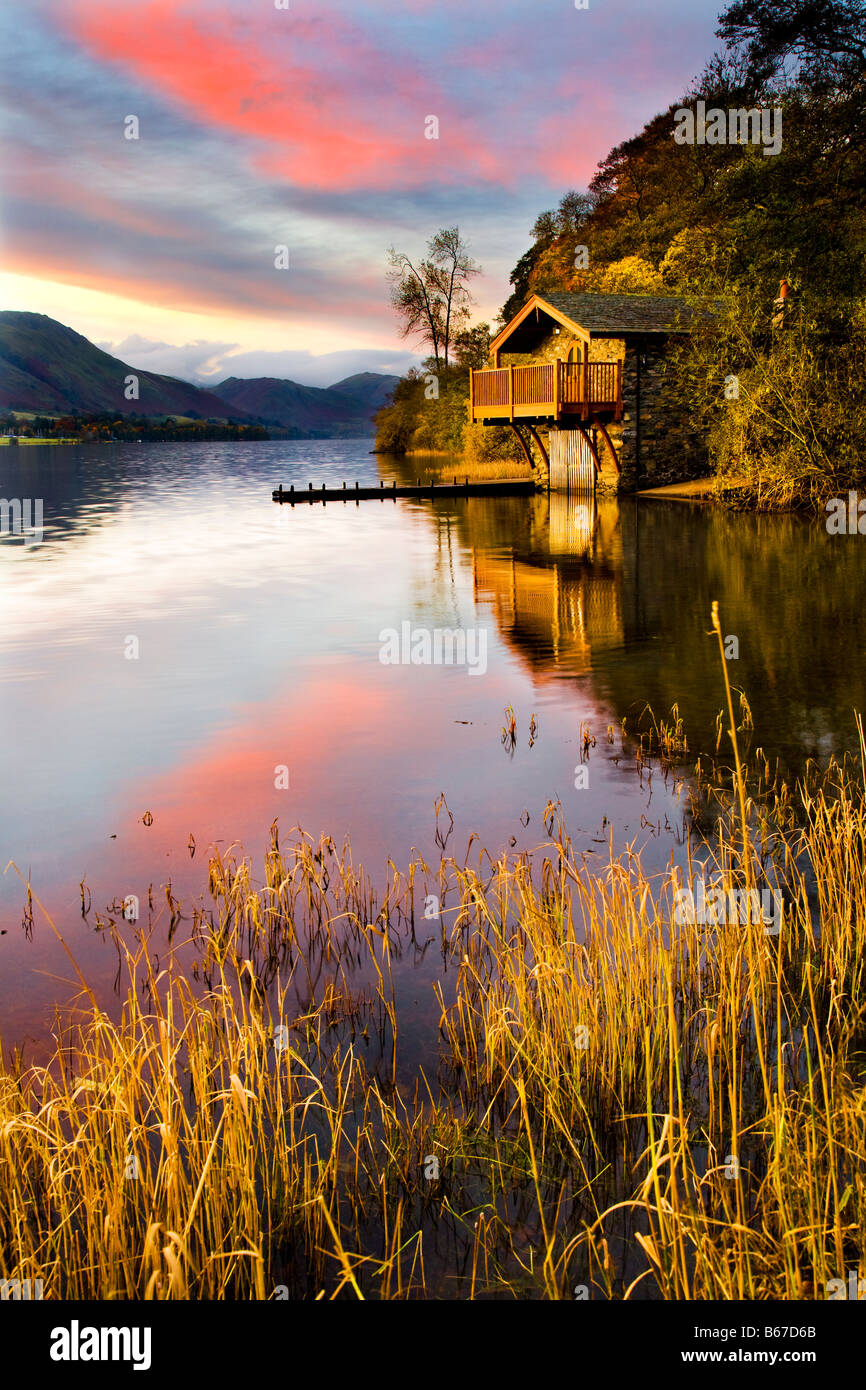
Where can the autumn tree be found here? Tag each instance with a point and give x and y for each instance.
(472, 346)
(432, 297)
(818, 36)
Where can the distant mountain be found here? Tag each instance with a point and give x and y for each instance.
(372, 389)
(50, 369)
(345, 409)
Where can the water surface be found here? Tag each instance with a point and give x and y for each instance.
(257, 630)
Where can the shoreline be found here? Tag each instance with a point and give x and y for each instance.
(696, 489)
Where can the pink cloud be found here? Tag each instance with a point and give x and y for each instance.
(331, 109)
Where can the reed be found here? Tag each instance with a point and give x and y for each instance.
(477, 469)
(508, 731)
(624, 1100)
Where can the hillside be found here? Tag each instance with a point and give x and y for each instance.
(48, 368)
(313, 409)
(372, 389)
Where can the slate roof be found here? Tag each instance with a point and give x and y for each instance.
(624, 313)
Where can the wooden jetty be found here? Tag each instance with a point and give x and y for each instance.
(508, 487)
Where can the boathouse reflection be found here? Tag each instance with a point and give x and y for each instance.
(560, 597)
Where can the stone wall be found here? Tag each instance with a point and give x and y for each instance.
(660, 445)
(557, 345)
(607, 349)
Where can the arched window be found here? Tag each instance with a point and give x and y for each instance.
(575, 352)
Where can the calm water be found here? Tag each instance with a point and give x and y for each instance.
(257, 630)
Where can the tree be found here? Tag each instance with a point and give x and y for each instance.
(780, 409)
(631, 275)
(433, 297)
(519, 278)
(549, 262)
(816, 33)
(472, 346)
(573, 213)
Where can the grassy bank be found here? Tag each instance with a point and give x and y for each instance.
(25, 439)
(478, 469)
(624, 1105)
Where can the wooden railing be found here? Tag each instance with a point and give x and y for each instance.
(547, 389)
(490, 388)
(534, 385)
(589, 382)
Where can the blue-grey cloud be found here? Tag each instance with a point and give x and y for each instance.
(206, 363)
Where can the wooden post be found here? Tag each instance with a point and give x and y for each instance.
(585, 388)
(536, 436)
(557, 387)
(471, 393)
(600, 423)
(292, 494)
(619, 390)
(394, 488)
(511, 389)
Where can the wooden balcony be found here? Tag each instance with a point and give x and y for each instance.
(577, 391)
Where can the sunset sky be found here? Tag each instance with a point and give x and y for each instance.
(303, 126)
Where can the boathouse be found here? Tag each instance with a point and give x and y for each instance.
(582, 378)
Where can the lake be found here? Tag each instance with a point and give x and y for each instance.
(180, 648)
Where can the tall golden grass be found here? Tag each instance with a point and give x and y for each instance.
(627, 1103)
(479, 469)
